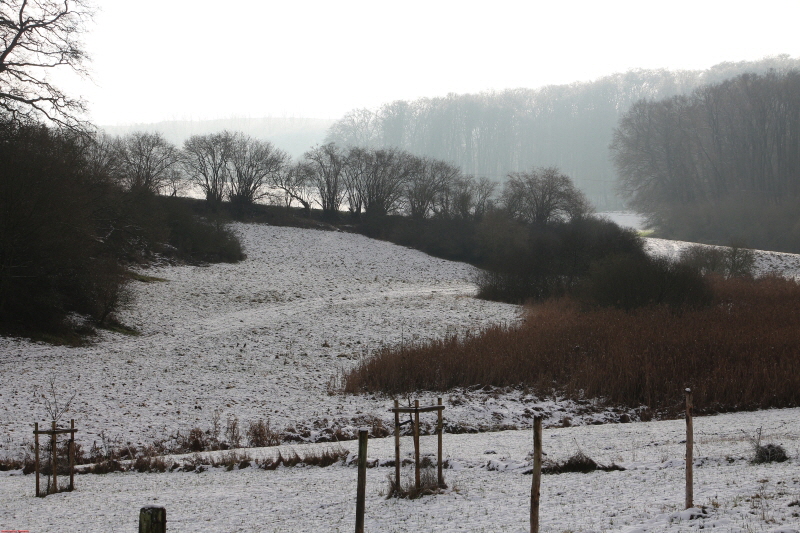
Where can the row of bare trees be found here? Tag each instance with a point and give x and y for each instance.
(363, 181)
(224, 166)
(234, 167)
(381, 181)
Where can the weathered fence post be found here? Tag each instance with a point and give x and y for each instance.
(536, 482)
(397, 447)
(689, 451)
(72, 455)
(152, 519)
(439, 430)
(416, 445)
(54, 457)
(36, 453)
(362, 479)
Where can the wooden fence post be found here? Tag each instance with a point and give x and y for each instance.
(416, 445)
(536, 482)
(152, 519)
(54, 457)
(72, 455)
(689, 451)
(397, 448)
(362, 479)
(36, 453)
(439, 430)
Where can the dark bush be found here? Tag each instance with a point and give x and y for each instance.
(770, 453)
(199, 239)
(633, 281)
(67, 227)
(53, 257)
(579, 463)
(536, 262)
(732, 261)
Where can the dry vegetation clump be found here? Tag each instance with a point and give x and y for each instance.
(326, 457)
(579, 462)
(741, 352)
(428, 484)
(766, 453)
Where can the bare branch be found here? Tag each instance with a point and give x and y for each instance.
(36, 36)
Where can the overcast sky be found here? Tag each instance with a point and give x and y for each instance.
(196, 59)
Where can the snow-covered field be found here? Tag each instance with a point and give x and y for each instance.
(269, 337)
(489, 490)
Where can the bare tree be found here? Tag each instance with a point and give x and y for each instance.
(358, 164)
(206, 159)
(427, 185)
(100, 154)
(470, 198)
(253, 163)
(483, 193)
(293, 182)
(37, 36)
(327, 164)
(542, 196)
(375, 179)
(146, 161)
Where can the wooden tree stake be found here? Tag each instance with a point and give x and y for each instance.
(36, 453)
(536, 482)
(396, 447)
(439, 430)
(72, 455)
(689, 451)
(54, 457)
(416, 445)
(362, 479)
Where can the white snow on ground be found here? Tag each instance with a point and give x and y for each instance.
(268, 337)
(260, 339)
(778, 263)
(489, 490)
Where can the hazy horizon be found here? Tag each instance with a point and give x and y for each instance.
(156, 61)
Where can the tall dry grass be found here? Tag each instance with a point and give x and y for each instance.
(741, 352)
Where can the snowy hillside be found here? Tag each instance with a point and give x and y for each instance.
(268, 338)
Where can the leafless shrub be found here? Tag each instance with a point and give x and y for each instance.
(149, 464)
(429, 484)
(232, 433)
(260, 434)
(765, 453)
(326, 457)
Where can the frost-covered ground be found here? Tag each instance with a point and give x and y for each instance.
(489, 490)
(265, 338)
(269, 338)
(778, 263)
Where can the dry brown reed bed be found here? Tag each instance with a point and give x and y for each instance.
(742, 352)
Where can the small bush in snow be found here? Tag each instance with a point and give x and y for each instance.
(765, 453)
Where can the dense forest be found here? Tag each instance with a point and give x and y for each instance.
(567, 126)
(718, 165)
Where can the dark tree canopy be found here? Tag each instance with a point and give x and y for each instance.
(721, 164)
(37, 36)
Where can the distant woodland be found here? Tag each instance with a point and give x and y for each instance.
(567, 126)
(718, 165)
